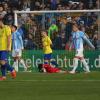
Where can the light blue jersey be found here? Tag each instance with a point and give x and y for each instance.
(77, 38)
(17, 42)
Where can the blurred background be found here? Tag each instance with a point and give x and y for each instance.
(58, 25)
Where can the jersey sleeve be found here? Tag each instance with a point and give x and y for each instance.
(88, 42)
(82, 34)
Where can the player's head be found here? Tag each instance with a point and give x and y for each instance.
(44, 33)
(75, 27)
(40, 67)
(13, 28)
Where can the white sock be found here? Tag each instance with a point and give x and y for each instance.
(75, 65)
(85, 65)
(23, 63)
(15, 65)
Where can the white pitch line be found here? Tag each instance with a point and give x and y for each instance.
(55, 81)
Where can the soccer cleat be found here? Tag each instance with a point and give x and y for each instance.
(86, 72)
(13, 74)
(72, 72)
(2, 78)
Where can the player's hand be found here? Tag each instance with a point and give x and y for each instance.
(93, 48)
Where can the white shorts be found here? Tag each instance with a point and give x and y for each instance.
(79, 53)
(16, 54)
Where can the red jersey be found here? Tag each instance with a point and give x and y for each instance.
(50, 69)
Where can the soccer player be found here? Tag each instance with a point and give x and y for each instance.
(17, 46)
(78, 37)
(46, 41)
(5, 47)
(46, 68)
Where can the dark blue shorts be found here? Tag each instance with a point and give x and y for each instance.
(47, 56)
(3, 55)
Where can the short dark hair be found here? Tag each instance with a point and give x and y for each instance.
(45, 31)
(75, 24)
(40, 66)
(14, 26)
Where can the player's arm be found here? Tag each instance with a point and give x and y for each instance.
(9, 39)
(9, 43)
(86, 39)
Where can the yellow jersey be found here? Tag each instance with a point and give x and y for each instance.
(47, 45)
(5, 31)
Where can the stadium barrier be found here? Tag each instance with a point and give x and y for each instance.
(64, 59)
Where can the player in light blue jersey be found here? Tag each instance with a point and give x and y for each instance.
(78, 37)
(17, 47)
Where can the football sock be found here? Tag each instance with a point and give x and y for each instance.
(85, 65)
(23, 63)
(15, 65)
(75, 65)
(9, 68)
(3, 70)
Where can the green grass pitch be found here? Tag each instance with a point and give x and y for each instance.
(40, 86)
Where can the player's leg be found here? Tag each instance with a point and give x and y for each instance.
(85, 65)
(3, 72)
(78, 56)
(46, 59)
(3, 69)
(11, 69)
(21, 61)
(5, 64)
(75, 65)
(51, 60)
(15, 64)
(84, 61)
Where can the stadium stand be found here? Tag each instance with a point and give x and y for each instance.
(31, 25)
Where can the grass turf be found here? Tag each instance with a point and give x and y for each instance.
(39, 86)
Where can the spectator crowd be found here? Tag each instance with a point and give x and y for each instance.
(51, 4)
(59, 26)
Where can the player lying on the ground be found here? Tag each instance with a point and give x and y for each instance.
(17, 47)
(46, 68)
(5, 47)
(78, 37)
